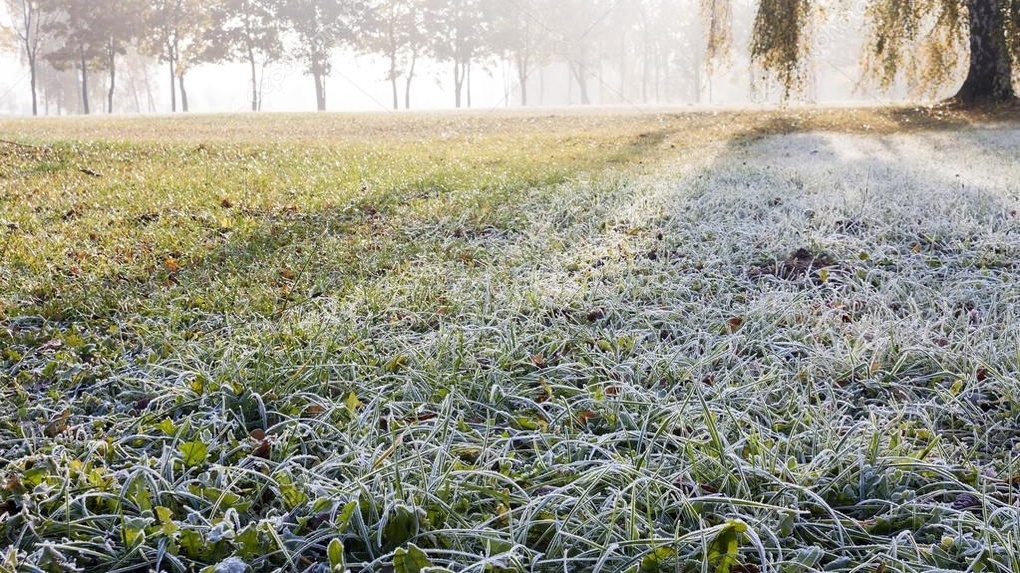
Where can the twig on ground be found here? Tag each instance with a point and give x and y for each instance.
(25, 145)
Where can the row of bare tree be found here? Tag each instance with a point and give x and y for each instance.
(645, 39)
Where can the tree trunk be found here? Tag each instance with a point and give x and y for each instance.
(990, 74)
(407, 84)
(173, 87)
(523, 66)
(581, 75)
(112, 52)
(32, 81)
(184, 93)
(458, 81)
(320, 91)
(393, 80)
(134, 96)
(150, 98)
(255, 103)
(84, 85)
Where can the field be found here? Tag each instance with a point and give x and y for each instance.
(728, 342)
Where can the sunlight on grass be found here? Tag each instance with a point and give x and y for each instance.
(510, 342)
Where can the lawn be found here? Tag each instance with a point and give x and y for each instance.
(613, 341)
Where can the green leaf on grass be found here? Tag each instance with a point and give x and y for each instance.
(133, 531)
(194, 453)
(344, 519)
(656, 559)
(395, 364)
(138, 494)
(411, 560)
(401, 525)
(192, 544)
(724, 550)
(352, 403)
(292, 496)
(166, 519)
(168, 427)
(247, 542)
(335, 553)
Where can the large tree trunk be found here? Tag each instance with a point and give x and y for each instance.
(320, 91)
(990, 75)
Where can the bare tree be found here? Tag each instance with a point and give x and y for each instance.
(458, 29)
(31, 20)
(247, 31)
(177, 30)
(92, 33)
(320, 26)
(395, 29)
(521, 33)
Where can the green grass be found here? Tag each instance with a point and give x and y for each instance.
(510, 342)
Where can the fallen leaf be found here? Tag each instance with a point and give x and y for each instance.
(734, 324)
(262, 449)
(12, 483)
(58, 425)
(966, 501)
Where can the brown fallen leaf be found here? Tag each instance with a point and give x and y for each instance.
(58, 425)
(734, 324)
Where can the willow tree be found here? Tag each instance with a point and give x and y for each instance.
(919, 40)
(942, 32)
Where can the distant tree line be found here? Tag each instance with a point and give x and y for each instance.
(90, 37)
(636, 48)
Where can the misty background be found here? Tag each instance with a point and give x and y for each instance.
(502, 53)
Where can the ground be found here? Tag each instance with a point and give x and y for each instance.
(511, 341)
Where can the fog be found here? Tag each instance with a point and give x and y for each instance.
(635, 53)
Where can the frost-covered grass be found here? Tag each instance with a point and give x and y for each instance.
(730, 343)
